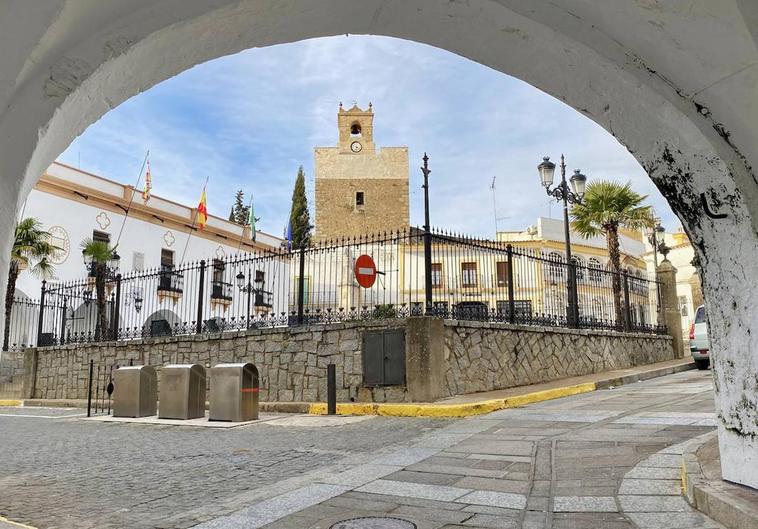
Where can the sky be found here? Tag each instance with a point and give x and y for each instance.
(248, 121)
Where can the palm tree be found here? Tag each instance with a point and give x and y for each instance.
(606, 207)
(32, 250)
(101, 258)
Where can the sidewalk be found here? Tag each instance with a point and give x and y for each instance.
(735, 506)
(489, 401)
(609, 460)
(458, 406)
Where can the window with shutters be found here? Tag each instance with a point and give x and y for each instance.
(468, 275)
(437, 275)
(502, 273)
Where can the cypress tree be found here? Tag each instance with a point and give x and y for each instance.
(299, 217)
(240, 211)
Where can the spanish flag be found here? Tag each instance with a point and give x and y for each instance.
(202, 211)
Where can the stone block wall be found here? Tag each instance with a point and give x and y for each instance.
(443, 358)
(486, 356)
(11, 365)
(291, 362)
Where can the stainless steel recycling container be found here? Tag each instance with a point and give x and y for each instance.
(234, 392)
(135, 391)
(182, 392)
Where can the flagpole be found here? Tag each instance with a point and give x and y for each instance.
(243, 229)
(194, 219)
(134, 189)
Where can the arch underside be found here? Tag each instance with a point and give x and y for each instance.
(675, 87)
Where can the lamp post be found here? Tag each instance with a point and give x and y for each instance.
(561, 192)
(652, 237)
(427, 240)
(246, 288)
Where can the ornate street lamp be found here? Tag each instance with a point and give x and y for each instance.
(245, 288)
(653, 234)
(562, 193)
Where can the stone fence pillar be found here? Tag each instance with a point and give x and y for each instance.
(670, 305)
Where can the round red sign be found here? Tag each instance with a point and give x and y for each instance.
(365, 271)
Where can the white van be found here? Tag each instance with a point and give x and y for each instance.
(700, 347)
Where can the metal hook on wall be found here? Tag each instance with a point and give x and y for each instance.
(708, 210)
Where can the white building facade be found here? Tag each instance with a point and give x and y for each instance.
(161, 249)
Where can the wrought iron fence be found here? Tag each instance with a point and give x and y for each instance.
(471, 279)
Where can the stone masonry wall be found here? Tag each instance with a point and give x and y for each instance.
(291, 362)
(482, 357)
(442, 358)
(11, 365)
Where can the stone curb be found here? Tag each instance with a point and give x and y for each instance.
(644, 375)
(707, 498)
(432, 409)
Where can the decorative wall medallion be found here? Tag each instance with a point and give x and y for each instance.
(59, 237)
(220, 253)
(169, 238)
(103, 220)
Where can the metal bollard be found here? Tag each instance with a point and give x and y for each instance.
(331, 389)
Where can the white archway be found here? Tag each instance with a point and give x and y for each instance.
(676, 86)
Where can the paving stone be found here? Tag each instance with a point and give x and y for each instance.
(654, 504)
(499, 485)
(671, 520)
(361, 475)
(403, 500)
(651, 486)
(347, 502)
(495, 499)
(494, 446)
(584, 504)
(456, 470)
(653, 473)
(415, 490)
(439, 515)
(590, 521)
(496, 511)
(430, 478)
(663, 461)
(487, 520)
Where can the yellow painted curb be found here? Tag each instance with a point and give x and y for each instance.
(16, 524)
(451, 410)
(10, 402)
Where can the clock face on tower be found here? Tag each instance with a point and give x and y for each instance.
(356, 146)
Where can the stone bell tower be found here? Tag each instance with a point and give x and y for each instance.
(360, 190)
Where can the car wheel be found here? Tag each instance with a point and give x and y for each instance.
(702, 364)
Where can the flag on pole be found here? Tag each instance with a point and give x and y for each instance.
(251, 219)
(148, 185)
(202, 211)
(288, 234)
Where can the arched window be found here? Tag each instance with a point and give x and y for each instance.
(355, 129)
(578, 266)
(595, 268)
(555, 265)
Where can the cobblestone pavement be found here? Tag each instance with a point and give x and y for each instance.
(59, 471)
(608, 459)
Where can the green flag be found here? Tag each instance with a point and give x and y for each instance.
(251, 219)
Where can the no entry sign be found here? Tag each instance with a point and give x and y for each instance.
(365, 271)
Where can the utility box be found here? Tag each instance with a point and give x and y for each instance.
(182, 392)
(135, 391)
(234, 392)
